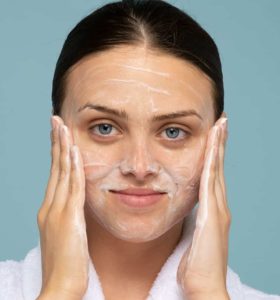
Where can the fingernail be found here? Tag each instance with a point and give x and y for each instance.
(224, 114)
(224, 122)
(55, 121)
(64, 130)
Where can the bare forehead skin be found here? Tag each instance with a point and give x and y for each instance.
(132, 69)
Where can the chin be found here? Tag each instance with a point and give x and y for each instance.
(138, 228)
(138, 225)
(138, 232)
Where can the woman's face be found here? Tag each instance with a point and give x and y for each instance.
(140, 119)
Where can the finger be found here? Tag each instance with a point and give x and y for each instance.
(62, 189)
(222, 154)
(77, 180)
(219, 184)
(55, 152)
(223, 115)
(183, 266)
(70, 134)
(207, 187)
(222, 201)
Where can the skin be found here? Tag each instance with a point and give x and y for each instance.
(137, 152)
(79, 210)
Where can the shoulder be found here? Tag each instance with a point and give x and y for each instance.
(10, 279)
(240, 291)
(21, 279)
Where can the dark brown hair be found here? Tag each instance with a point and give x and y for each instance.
(131, 22)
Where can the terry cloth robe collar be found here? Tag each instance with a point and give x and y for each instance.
(24, 278)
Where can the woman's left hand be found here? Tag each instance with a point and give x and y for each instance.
(203, 268)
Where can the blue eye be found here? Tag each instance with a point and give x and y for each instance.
(172, 132)
(103, 129)
(175, 133)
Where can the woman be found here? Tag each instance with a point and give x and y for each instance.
(138, 139)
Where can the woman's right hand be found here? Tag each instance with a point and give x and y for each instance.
(61, 221)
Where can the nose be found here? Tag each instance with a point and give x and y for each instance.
(139, 162)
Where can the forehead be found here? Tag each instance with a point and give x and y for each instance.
(135, 73)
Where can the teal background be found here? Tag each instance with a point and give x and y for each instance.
(247, 34)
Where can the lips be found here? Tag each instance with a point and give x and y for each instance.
(137, 192)
(138, 198)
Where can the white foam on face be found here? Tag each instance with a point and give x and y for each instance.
(103, 68)
(114, 167)
(139, 84)
(179, 182)
(163, 74)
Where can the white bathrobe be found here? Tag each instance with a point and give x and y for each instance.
(21, 280)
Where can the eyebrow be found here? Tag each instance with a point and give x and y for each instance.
(123, 115)
(118, 113)
(178, 114)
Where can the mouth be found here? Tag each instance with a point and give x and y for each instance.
(138, 198)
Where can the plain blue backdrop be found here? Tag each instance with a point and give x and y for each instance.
(247, 34)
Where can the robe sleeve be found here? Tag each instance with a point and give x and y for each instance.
(250, 293)
(10, 280)
(240, 291)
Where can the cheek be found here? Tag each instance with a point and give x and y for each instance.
(95, 154)
(188, 179)
(95, 162)
(101, 167)
(98, 159)
(186, 175)
(189, 168)
(185, 168)
(97, 168)
(186, 165)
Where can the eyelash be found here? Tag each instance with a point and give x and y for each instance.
(98, 126)
(184, 132)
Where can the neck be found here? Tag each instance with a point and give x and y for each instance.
(117, 261)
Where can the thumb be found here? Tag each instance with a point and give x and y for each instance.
(183, 266)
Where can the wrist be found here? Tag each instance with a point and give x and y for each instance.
(52, 295)
(205, 296)
(62, 291)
